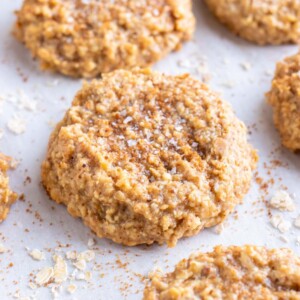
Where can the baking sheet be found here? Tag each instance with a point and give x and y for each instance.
(240, 71)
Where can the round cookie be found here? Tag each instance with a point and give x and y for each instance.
(247, 272)
(285, 100)
(144, 157)
(86, 38)
(7, 197)
(260, 21)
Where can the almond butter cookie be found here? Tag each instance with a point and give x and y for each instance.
(82, 38)
(144, 157)
(285, 100)
(260, 21)
(7, 197)
(247, 272)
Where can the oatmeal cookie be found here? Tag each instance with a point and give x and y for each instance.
(144, 157)
(86, 38)
(260, 21)
(247, 272)
(285, 100)
(7, 197)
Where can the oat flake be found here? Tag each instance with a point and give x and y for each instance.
(44, 276)
(80, 264)
(60, 269)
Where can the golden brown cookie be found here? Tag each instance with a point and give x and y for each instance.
(247, 272)
(144, 157)
(86, 38)
(285, 100)
(7, 197)
(260, 21)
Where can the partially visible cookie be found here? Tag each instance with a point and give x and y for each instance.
(247, 272)
(143, 157)
(284, 97)
(86, 38)
(260, 21)
(7, 197)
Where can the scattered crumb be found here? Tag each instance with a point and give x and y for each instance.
(72, 288)
(278, 222)
(219, 228)
(88, 275)
(2, 249)
(32, 285)
(282, 201)
(37, 254)
(16, 125)
(297, 222)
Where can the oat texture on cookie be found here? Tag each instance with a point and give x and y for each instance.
(86, 38)
(284, 97)
(144, 157)
(260, 21)
(247, 272)
(7, 197)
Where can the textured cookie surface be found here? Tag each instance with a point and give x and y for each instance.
(285, 100)
(86, 38)
(247, 272)
(7, 197)
(143, 157)
(260, 21)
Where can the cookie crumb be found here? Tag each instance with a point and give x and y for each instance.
(16, 125)
(37, 254)
(219, 228)
(3, 249)
(282, 201)
(297, 222)
(279, 223)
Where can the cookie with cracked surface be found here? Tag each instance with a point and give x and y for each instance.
(86, 38)
(260, 21)
(284, 97)
(247, 272)
(7, 197)
(144, 157)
